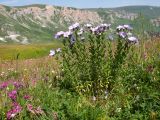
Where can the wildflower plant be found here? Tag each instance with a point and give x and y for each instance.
(89, 62)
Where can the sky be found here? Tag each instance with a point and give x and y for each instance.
(83, 3)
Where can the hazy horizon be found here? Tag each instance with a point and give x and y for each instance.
(84, 3)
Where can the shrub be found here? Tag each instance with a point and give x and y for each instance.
(90, 64)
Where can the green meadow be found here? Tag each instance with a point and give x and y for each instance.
(95, 78)
(16, 51)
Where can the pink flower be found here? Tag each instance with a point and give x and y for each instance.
(14, 111)
(3, 85)
(13, 95)
(17, 107)
(27, 97)
(39, 110)
(30, 108)
(17, 85)
(33, 110)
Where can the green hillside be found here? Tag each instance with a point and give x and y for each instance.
(148, 11)
(37, 23)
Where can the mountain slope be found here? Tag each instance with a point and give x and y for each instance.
(38, 23)
(148, 11)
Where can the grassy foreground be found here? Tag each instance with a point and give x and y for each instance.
(135, 96)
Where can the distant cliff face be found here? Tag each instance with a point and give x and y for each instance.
(48, 13)
(156, 22)
(38, 23)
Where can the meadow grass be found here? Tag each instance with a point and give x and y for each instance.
(10, 52)
(40, 95)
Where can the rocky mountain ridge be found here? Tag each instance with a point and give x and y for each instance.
(38, 23)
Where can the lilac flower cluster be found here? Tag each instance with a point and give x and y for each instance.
(16, 107)
(133, 39)
(123, 31)
(123, 28)
(68, 33)
(88, 26)
(76, 27)
(14, 111)
(59, 34)
(17, 85)
(100, 29)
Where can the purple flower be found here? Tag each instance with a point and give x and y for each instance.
(122, 34)
(52, 53)
(133, 39)
(74, 27)
(105, 26)
(13, 95)
(101, 29)
(67, 34)
(95, 30)
(120, 28)
(88, 25)
(58, 34)
(70, 28)
(14, 111)
(3, 85)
